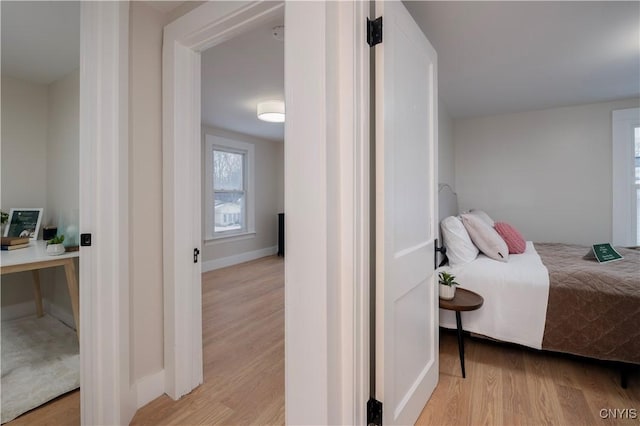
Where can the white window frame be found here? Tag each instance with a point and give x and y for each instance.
(230, 145)
(624, 210)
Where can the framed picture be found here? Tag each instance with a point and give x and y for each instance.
(24, 223)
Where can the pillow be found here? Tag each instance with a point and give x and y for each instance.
(460, 248)
(514, 239)
(485, 237)
(483, 215)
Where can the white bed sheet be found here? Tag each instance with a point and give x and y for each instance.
(515, 297)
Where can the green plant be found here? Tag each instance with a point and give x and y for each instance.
(58, 239)
(4, 217)
(447, 279)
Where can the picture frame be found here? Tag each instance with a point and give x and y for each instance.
(24, 222)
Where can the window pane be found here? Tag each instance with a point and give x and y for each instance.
(227, 170)
(229, 211)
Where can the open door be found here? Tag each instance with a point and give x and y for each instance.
(406, 219)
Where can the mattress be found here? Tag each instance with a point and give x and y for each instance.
(551, 298)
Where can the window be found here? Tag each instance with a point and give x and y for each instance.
(626, 177)
(228, 187)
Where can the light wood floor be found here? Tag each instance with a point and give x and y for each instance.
(243, 339)
(243, 336)
(511, 385)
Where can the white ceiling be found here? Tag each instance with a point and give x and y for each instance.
(40, 40)
(238, 74)
(499, 57)
(493, 57)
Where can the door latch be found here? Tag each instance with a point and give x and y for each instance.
(196, 252)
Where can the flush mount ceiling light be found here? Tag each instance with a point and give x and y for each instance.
(271, 111)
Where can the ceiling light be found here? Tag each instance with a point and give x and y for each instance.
(271, 111)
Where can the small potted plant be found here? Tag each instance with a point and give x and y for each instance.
(54, 245)
(447, 285)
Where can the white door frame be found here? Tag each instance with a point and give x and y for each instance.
(326, 201)
(106, 396)
(624, 231)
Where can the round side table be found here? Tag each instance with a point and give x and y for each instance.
(464, 300)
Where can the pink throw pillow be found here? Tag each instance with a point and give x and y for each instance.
(514, 239)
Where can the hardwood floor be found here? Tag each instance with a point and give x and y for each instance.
(511, 385)
(64, 410)
(243, 339)
(243, 336)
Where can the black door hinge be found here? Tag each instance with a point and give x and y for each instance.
(374, 31)
(374, 412)
(85, 240)
(196, 252)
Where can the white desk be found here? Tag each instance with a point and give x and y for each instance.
(34, 258)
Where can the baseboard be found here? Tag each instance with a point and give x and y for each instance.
(149, 388)
(19, 310)
(223, 262)
(59, 313)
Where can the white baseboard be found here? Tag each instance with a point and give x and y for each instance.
(223, 262)
(149, 388)
(59, 313)
(19, 310)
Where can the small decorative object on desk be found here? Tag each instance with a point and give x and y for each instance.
(54, 245)
(447, 285)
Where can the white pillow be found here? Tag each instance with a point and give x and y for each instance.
(485, 237)
(460, 248)
(484, 216)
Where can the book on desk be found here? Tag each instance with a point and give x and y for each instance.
(14, 243)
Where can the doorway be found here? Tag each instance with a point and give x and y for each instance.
(242, 196)
(40, 179)
(104, 293)
(326, 186)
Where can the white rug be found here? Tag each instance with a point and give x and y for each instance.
(40, 361)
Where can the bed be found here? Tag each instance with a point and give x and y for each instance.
(551, 298)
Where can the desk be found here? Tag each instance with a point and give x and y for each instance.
(34, 258)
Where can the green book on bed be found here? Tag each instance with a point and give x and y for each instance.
(603, 253)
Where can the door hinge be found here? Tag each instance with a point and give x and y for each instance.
(85, 240)
(196, 252)
(374, 31)
(374, 412)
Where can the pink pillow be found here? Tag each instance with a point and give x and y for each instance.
(514, 239)
(485, 237)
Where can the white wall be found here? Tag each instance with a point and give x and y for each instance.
(24, 166)
(63, 142)
(24, 144)
(40, 137)
(446, 163)
(269, 201)
(145, 189)
(145, 186)
(547, 172)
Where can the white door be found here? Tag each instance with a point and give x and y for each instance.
(406, 153)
